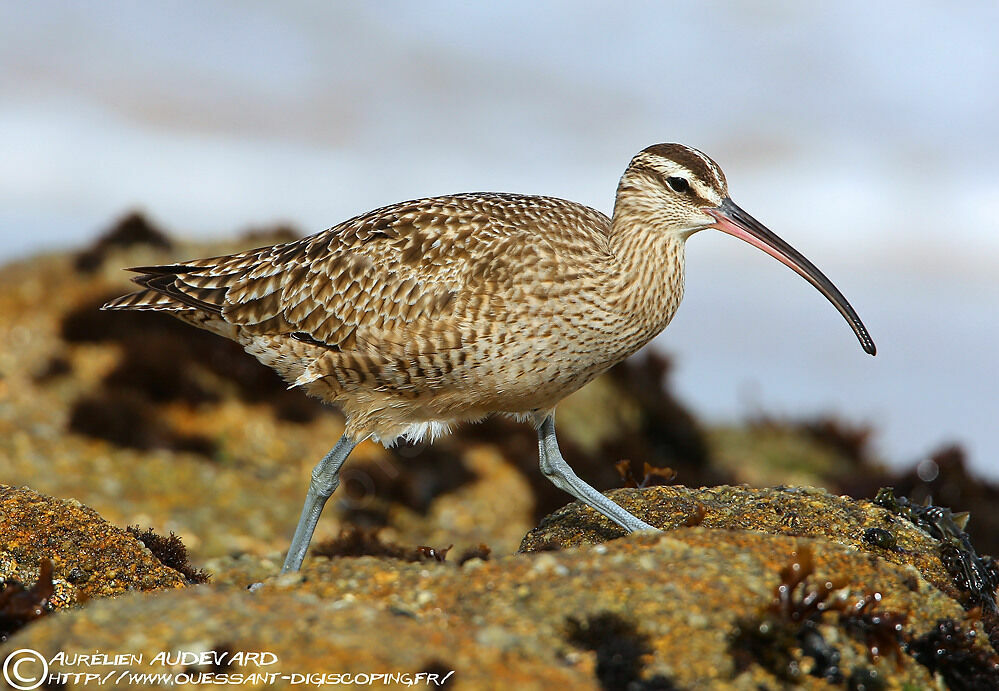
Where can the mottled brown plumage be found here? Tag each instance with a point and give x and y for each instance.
(426, 313)
(436, 310)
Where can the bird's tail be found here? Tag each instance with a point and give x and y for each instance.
(151, 300)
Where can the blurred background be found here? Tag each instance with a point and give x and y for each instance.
(864, 135)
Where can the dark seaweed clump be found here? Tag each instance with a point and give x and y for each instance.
(171, 552)
(127, 418)
(414, 477)
(882, 632)
(480, 551)
(620, 648)
(976, 576)
(950, 651)
(131, 229)
(788, 624)
(443, 671)
(941, 478)
(942, 475)
(355, 541)
(651, 476)
(787, 629)
(164, 360)
(20, 605)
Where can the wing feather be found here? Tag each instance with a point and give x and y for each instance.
(402, 266)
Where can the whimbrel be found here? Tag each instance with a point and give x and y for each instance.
(423, 314)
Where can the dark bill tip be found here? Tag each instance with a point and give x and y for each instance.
(733, 220)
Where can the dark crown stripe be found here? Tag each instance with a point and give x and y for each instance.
(694, 161)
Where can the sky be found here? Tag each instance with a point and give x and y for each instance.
(862, 133)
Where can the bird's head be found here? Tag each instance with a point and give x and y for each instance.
(677, 189)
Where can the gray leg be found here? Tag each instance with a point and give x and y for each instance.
(558, 471)
(325, 480)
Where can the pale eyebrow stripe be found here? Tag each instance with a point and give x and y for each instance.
(661, 179)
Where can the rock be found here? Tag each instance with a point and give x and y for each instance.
(791, 511)
(685, 607)
(91, 557)
(510, 622)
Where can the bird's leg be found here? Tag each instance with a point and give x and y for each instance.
(325, 480)
(562, 476)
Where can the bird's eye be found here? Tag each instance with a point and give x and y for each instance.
(678, 184)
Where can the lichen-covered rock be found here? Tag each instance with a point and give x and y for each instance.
(91, 558)
(791, 511)
(648, 608)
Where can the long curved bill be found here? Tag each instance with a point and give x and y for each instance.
(734, 221)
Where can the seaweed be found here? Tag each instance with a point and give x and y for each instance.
(620, 648)
(20, 605)
(163, 361)
(865, 679)
(790, 623)
(481, 551)
(947, 650)
(950, 651)
(942, 478)
(131, 229)
(128, 419)
(171, 552)
(976, 577)
(882, 632)
(355, 541)
(437, 554)
(695, 517)
(795, 612)
(414, 477)
(652, 476)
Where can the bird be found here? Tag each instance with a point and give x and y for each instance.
(421, 315)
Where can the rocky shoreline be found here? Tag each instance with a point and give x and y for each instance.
(465, 560)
